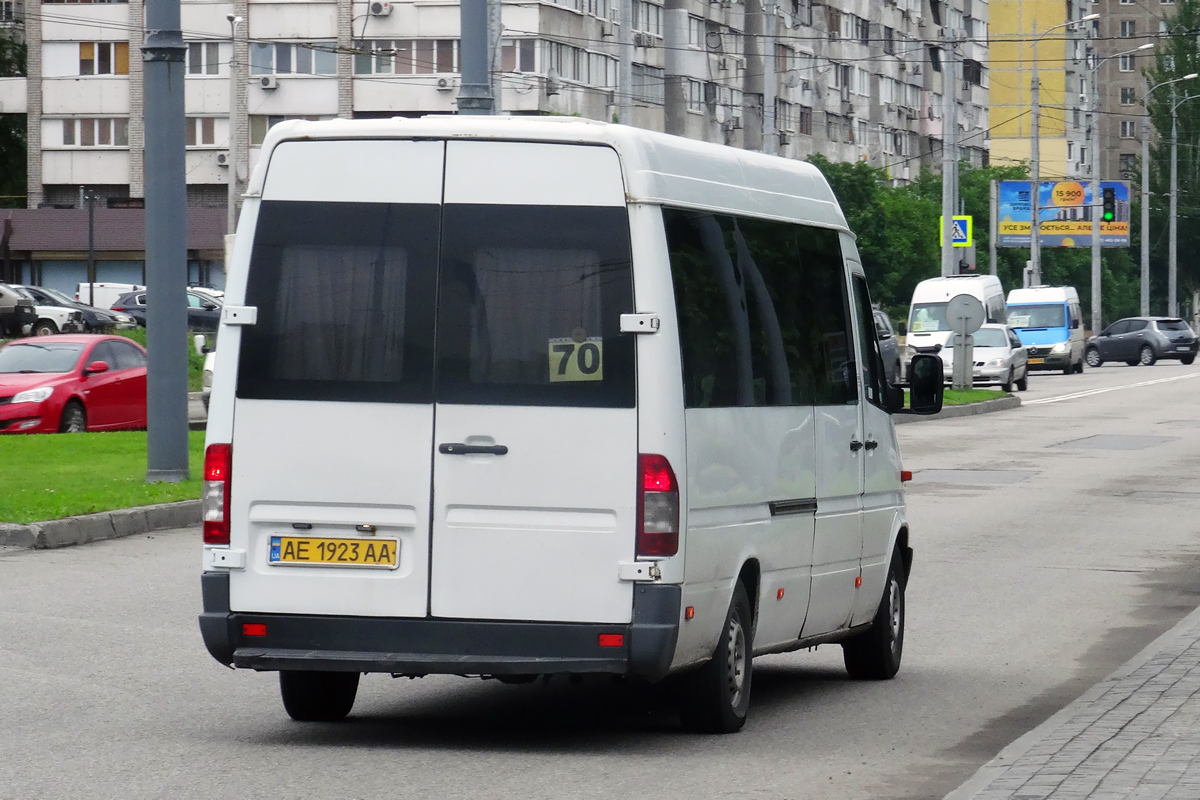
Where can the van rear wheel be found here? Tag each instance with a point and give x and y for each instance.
(716, 697)
(875, 655)
(318, 696)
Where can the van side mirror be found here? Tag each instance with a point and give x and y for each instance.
(926, 385)
(200, 342)
(903, 329)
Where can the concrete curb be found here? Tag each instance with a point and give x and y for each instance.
(98, 527)
(988, 773)
(969, 410)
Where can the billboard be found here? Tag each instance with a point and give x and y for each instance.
(1066, 209)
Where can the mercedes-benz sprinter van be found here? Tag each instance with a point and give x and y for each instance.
(514, 397)
(1049, 322)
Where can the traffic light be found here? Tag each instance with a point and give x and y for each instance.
(1110, 205)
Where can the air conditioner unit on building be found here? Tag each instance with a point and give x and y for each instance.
(643, 40)
(784, 141)
(732, 124)
(723, 64)
(444, 85)
(606, 30)
(847, 108)
(268, 82)
(222, 159)
(380, 8)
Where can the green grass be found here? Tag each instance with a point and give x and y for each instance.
(962, 398)
(48, 476)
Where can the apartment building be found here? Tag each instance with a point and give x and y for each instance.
(1123, 26)
(850, 79)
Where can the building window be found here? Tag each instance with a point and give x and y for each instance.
(785, 115)
(292, 58)
(204, 58)
(517, 55)
(648, 86)
(1128, 96)
(259, 125)
(972, 72)
(695, 32)
(802, 11)
(93, 132)
(1128, 163)
(804, 121)
(104, 58)
(1128, 28)
(862, 30)
(889, 41)
(1125, 63)
(199, 131)
(418, 56)
(581, 66)
(1129, 129)
(833, 22)
(695, 96)
(647, 17)
(84, 1)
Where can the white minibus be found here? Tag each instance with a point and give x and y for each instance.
(928, 330)
(511, 397)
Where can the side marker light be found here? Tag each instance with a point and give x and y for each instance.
(689, 612)
(612, 640)
(254, 629)
(779, 594)
(905, 475)
(858, 582)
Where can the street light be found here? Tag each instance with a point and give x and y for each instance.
(231, 215)
(1146, 193)
(1097, 288)
(1172, 251)
(1035, 240)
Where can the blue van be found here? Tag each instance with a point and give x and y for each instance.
(1049, 322)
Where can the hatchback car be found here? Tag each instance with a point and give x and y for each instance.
(1142, 340)
(204, 311)
(1000, 358)
(72, 383)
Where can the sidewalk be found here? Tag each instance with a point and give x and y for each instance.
(1136, 734)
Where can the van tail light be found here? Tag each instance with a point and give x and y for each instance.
(214, 505)
(657, 508)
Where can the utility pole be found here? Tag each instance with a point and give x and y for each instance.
(993, 226)
(231, 217)
(949, 150)
(90, 199)
(475, 95)
(1095, 205)
(1145, 231)
(625, 63)
(770, 136)
(1172, 254)
(166, 245)
(1035, 185)
(495, 34)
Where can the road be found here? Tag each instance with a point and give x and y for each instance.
(1032, 580)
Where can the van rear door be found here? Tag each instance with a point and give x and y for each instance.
(333, 419)
(535, 461)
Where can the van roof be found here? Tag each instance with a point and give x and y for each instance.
(1035, 294)
(658, 168)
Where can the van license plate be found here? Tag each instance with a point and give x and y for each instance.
(1037, 361)
(314, 551)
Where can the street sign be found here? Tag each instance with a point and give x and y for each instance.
(964, 231)
(964, 312)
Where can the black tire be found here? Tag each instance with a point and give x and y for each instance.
(1069, 369)
(1132, 362)
(1092, 357)
(1008, 384)
(1023, 383)
(875, 655)
(318, 696)
(73, 419)
(45, 327)
(716, 697)
(1079, 367)
(1147, 356)
(1187, 360)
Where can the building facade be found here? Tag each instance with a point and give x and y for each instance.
(849, 79)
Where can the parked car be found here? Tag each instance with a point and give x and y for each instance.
(210, 360)
(95, 320)
(104, 295)
(71, 383)
(208, 291)
(17, 312)
(889, 346)
(1142, 340)
(52, 317)
(203, 311)
(1000, 358)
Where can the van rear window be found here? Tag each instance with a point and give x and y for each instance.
(345, 303)
(530, 305)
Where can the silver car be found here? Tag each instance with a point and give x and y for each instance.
(1000, 358)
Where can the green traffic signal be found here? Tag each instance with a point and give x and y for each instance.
(1110, 205)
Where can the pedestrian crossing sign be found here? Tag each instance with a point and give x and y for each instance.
(964, 231)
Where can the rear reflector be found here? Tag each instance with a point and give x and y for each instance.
(905, 476)
(214, 502)
(657, 508)
(606, 639)
(254, 629)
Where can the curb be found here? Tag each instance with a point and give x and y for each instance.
(969, 410)
(993, 769)
(98, 527)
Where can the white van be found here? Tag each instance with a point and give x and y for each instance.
(515, 397)
(928, 330)
(1049, 322)
(103, 295)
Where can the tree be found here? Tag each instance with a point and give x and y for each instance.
(12, 128)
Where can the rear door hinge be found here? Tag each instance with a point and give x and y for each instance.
(639, 323)
(638, 571)
(224, 558)
(239, 315)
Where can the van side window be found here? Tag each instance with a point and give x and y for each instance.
(343, 292)
(872, 361)
(995, 310)
(530, 305)
(763, 312)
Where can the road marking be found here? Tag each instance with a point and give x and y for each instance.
(1090, 392)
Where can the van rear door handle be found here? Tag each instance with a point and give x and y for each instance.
(855, 445)
(461, 449)
(872, 444)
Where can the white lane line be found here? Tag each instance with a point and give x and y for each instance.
(1090, 392)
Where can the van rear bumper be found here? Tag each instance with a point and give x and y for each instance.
(442, 646)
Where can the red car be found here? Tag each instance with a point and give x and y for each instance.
(72, 383)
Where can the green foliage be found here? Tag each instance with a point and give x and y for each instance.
(195, 360)
(49, 475)
(12, 128)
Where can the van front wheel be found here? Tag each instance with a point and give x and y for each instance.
(318, 696)
(716, 697)
(875, 655)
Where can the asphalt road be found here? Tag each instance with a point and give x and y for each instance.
(1032, 580)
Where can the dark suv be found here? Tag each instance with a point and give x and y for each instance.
(203, 311)
(1142, 340)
